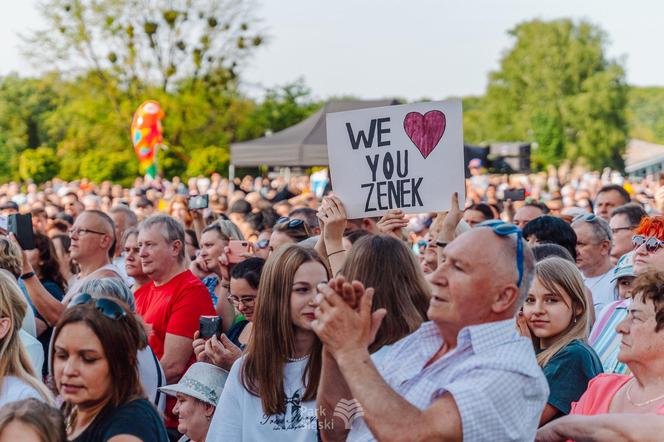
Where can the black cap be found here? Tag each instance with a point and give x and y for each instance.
(9, 205)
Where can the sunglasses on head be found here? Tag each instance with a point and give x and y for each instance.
(292, 223)
(501, 228)
(106, 307)
(588, 217)
(652, 243)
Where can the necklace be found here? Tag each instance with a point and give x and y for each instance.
(641, 404)
(71, 419)
(302, 358)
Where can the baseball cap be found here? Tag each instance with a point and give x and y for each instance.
(9, 205)
(475, 162)
(624, 267)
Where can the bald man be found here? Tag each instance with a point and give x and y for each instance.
(464, 375)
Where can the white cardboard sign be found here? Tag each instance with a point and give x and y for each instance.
(407, 157)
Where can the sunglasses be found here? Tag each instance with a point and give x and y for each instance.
(263, 243)
(501, 228)
(652, 243)
(588, 217)
(106, 307)
(292, 223)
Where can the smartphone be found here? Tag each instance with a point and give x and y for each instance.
(514, 194)
(198, 202)
(209, 326)
(238, 248)
(21, 226)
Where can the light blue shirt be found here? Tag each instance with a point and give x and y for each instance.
(492, 375)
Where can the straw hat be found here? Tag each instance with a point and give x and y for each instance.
(201, 381)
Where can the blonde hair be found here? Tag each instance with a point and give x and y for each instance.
(10, 257)
(560, 276)
(14, 360)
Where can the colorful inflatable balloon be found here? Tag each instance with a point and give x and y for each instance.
(147, 135)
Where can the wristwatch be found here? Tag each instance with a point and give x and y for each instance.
(27, 275)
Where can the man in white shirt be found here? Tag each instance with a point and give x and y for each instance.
(593, 258)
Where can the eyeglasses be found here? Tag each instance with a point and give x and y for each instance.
(106, 307)
(619, 229)
(501, 228)
(246, 300)
(77, 231)
(263, 243)
(652, 243)
(292, 223)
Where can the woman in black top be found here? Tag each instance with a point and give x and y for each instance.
(95, 370)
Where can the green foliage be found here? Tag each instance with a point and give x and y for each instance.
(555, 87)
(38, 165)
(646, 114)
(208, 160)
(119, 167)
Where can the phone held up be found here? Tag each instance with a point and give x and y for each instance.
(237, 250)
(198, 202)
(209, 326)
(514, 194)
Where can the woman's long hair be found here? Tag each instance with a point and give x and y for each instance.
(15, 360)
(49, 267)
(398, 283)
(560, 276)
(273, 335)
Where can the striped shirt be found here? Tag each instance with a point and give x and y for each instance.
(605, 340)
(492, 374)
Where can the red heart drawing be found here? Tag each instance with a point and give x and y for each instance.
(425, 131)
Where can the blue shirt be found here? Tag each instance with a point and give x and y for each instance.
(492, 374)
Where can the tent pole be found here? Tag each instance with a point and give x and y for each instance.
(231, 177)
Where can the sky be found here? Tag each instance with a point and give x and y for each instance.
(407, 49)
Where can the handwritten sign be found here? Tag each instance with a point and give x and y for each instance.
(407, 157)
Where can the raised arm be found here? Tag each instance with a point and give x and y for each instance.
(333, 217)
(346, 335)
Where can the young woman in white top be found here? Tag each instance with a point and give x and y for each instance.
(17, 377)
(270, 393)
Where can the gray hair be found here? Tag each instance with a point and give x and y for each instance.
(601, 229)
(109, 287)
(130, 216)
(171, 230)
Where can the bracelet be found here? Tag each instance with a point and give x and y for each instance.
(27, 275)
(442, 244)
(334, 253)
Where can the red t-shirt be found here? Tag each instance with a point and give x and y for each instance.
(175, 308)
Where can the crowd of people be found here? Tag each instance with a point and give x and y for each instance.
(268, 315)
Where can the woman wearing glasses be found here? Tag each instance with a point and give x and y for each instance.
(648, 255)
(270, 393)
(223, 352)
(556, 312)
(288, 231)
(95, 371)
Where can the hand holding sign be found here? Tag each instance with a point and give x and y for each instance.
(407, 158)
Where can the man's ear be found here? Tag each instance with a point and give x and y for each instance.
(606, 247)
(5, 326)
(176, 246)
(505, 299)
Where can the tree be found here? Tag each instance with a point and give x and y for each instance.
(138, 43)
(38, 165)
(208, 160)
(556, 87)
